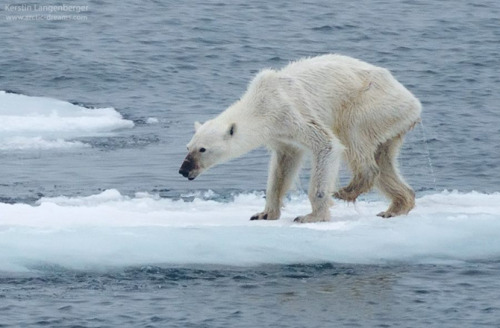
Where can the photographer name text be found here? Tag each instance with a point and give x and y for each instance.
(45, 8)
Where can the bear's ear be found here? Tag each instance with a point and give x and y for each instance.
(196, 126)
(232, 129)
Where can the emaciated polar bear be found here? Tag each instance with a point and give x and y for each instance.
(331, 106)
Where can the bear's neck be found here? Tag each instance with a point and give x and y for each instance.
(250, 131)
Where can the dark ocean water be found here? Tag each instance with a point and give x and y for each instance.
(323, 295)
(182, 61)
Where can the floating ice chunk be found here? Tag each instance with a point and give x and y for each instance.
(111, 229)
(152, 120)
(46, 123)
(24, 143)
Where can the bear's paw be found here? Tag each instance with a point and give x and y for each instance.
(271, 215)
(310, 218)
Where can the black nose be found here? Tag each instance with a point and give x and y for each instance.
(184, 172)
(187, 166)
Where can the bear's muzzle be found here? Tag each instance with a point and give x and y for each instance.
(188, 168)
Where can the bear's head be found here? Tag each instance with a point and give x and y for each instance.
(212, 143)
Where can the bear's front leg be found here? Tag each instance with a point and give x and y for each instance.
(284, 166)
(326, 164)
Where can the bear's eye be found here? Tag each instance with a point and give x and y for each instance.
(202, 150)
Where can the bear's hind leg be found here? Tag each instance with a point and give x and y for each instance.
(364, 173)
(390, 181)
(285, 164)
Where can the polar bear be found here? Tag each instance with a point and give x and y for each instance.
(332, 107)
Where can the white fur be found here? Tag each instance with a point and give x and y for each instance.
(329, 106)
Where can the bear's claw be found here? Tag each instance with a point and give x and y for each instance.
(266, 215)
(386, 214)
(260, 216)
